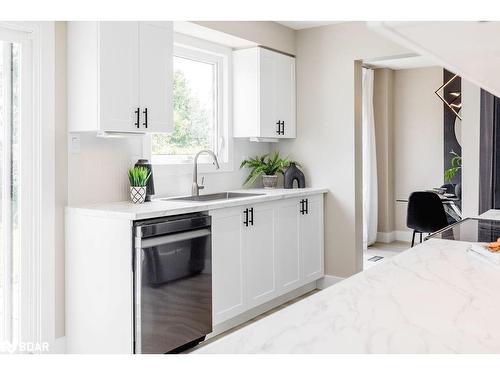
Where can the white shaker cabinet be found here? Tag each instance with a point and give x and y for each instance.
(263, 251)
(287, 244)
(259, 249)
(311, 238)
(120, 76)
(264, 94)
(227, 264)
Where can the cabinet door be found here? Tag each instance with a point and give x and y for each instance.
(311, 239)
(287, 245)
(268, 118)
(119, 76)
(260, 258)
(227, 264)
(155, 77)
(285, 94)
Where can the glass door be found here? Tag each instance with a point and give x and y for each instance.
(15, 92)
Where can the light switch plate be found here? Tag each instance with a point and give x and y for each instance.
(74, 143)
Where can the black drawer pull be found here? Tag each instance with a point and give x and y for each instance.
(137, 113)
(145, 123)
(251, 216)
(246, 217)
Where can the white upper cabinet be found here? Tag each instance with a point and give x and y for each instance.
(264, 94)
(120, 76)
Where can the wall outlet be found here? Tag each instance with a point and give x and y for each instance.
(74, 143)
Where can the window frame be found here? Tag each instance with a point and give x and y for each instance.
(38, 190)
(221, 56)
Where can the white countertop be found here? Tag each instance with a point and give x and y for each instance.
(128, 210)
(433, 298)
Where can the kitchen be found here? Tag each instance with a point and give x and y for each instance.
(229, 220)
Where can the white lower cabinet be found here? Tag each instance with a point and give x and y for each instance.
(312, 239)
(262, 251)
(227, 264)
(260, 255)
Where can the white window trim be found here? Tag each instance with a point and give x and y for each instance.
(224, 55)
(38, 293)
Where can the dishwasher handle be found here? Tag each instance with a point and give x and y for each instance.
(169, 238)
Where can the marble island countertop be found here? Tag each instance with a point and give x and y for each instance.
(158, 208)
(434, 298)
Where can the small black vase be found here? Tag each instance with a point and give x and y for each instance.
(150, 186)
(292, 174)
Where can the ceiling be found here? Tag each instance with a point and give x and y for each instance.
(469, 49)
(299, 25)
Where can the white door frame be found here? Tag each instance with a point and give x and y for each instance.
(37, 175)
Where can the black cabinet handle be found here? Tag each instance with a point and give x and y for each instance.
(137, 113)
(302, 207)
(251, 216)
(281, 127)
(246, 217)
(307, 206)
(145, 123)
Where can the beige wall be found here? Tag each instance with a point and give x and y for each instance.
(384, 133)
(266, 33)
(61, 169)
(328, 144)
(418, 135)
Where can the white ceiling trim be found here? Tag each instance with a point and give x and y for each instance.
(300, 25)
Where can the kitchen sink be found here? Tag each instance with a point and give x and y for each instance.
(213, 197)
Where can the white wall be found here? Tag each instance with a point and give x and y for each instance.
(328, 140)
(418, 135)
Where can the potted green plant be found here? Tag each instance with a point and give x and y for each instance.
(138, 178)
(456, 165)
(268, 166)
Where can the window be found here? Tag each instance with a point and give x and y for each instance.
(9, 191)
(200, 101)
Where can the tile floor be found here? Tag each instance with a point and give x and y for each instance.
(384, 250)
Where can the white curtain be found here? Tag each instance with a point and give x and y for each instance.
(370, 191)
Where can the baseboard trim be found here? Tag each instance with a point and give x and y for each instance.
(328, 281)
(397, 235)
(403, 235)
(386, 237)
(258, 310)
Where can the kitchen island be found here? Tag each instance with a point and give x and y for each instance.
(434, 298)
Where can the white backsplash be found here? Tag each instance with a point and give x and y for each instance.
(98, 172)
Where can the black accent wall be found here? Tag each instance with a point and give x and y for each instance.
(489, 154)
(450, 140)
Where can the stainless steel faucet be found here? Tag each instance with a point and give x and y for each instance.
(195, 188)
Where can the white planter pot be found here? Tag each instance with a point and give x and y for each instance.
(137, 194)
(270, 182)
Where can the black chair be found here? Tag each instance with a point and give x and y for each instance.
(425, 214)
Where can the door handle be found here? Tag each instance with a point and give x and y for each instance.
(307, 206)
(246, 217)
(279, 127)
(302, 207)
(145, 123)
(282, 127)
(251, 216)
(137, 112)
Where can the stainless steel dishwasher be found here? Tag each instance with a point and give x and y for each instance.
(172, 283)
